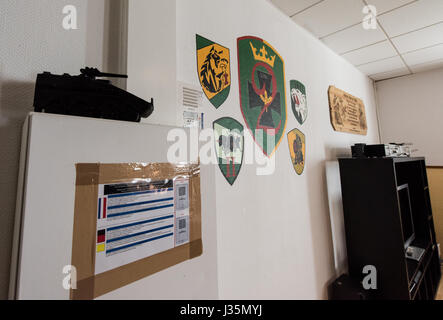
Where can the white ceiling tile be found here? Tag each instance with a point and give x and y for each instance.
(416, 28)
(371, 53)
(412, 17)
(380, 66)
(427, 66)
(353, 38)
(426, 37)
(424, 55)
(386, 5)
(390, 74)
(330, 16)
(293, 6)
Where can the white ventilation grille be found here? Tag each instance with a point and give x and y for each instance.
(190, 96)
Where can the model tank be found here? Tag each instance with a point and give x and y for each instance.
(85, 95)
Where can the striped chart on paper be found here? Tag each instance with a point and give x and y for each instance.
(135, 220)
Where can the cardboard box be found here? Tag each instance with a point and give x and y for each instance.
(89, 177)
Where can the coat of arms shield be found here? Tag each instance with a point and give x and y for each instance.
(298, 101)
(262, 91)
(214, 70)
(297, 149)
(229, 143)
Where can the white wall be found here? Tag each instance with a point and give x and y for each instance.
(274, 236)
(33, 40)
(411, 110)
(152, 56)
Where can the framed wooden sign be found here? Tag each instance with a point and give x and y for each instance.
(347, 112)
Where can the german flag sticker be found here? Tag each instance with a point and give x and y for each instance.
(101, 236)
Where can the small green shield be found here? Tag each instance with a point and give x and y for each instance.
(229, 144)
(298, 101)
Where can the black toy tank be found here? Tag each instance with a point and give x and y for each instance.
(86, 96)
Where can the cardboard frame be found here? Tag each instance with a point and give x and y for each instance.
(89, 176)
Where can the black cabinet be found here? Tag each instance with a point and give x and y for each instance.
(387, 210)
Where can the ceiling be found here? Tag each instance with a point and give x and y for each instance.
(408, 37)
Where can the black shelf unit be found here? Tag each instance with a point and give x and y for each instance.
(376, 231)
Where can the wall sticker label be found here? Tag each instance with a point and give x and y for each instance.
(214, 70)
(229, 147)
(262, 92)
(298, 101)
(297, 149)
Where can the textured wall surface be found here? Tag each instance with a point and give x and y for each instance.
(33, 40)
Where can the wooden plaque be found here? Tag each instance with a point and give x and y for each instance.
(347, 112)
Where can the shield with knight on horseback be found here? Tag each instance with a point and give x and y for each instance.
(214, 70)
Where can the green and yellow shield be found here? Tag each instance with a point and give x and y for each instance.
(297, 149)
(229, 143)
(214, 70)
(262, 92)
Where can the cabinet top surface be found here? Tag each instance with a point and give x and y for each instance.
(393, 159)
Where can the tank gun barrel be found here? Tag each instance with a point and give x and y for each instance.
(94, 72)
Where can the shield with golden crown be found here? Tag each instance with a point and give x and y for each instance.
(214, 70)
(262, 92)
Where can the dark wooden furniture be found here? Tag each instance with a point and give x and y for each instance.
(375, 233)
